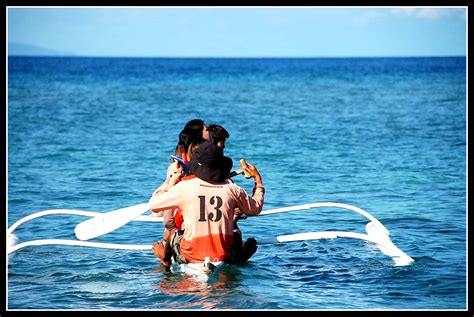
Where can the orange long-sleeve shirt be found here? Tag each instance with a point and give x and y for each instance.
(207, 210)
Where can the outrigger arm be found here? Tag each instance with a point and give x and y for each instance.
(376, 232)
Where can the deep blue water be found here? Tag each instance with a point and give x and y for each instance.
(387, 135)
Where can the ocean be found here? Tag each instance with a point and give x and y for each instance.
(387, 135)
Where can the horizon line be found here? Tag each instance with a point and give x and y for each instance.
(237, 57)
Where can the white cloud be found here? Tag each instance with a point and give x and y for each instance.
(403, 11)
(427, 13)
(430, 14)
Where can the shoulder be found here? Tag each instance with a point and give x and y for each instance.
(233, 187)
(189, 178)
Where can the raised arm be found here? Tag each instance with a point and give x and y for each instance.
(251, 205)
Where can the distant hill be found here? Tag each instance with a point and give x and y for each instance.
(16, 49)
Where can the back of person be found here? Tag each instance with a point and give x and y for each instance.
(208, 200)
(208, 218)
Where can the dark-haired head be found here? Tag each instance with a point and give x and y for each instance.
(218, 135)
(190, 137)
(196, 124)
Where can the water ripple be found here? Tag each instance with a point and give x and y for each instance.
(342, 130)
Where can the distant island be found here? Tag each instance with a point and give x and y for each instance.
(17, 49)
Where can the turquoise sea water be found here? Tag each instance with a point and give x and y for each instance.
(387, 135)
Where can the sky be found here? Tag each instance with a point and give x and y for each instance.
(241, 31)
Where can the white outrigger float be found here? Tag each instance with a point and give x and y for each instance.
(103, 223)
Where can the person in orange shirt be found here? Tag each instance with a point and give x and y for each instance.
(189, 140)
(207, 199)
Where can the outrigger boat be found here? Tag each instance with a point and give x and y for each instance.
(103, 223)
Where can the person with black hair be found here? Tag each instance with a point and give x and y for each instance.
(194, 132)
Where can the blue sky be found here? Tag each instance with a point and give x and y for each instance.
(242, 31)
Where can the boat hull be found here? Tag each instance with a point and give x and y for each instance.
(201, 271)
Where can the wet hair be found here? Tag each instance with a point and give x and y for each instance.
(217, 133)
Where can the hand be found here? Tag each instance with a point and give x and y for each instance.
(251, 171)
(176, 177)
(173, 168)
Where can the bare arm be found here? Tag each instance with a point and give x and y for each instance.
(168, 219)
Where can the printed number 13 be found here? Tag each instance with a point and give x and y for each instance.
(216, 202)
